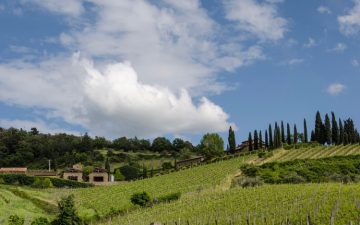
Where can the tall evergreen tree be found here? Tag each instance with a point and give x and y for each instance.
(278, 138)
(266, 140)
(256, 140)
(334, 129)
(341, 132)
(231, 140)
(271, 140)
(276, 144)
(346, 139)
(296, 135)
(312, 138)
(282, 132)
(349, 129)
(327, 133)
(305, 136)
(250, 142)
(318, 128)
(107, 165)
(288, 136)
(260, 141)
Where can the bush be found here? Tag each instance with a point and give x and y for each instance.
(16, 220)
(67, 212)
(246, 182)
(118, 175)
(170, 197)
(142, 199)
(40, 221)
(130, 172)
(61, 183)
(42, 183)
(167, 166)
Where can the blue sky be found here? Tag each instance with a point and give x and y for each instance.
(176, 68)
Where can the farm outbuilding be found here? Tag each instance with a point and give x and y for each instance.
(13, 170)
(73, 174)
(99, 175)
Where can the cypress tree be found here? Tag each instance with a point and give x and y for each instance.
(288, 136)
(341, 132)
(318, 128)
(250, 141)
(256, 140)
(296, 136)
(231, 140)
(260, 141)
(278, 135)
(276, 138)
(312, 138)
(107, 165)
(346, 139)
(266, 139)
(327, 133)
(271, 143)
(282, 132)
(305, 136)
(335, 129)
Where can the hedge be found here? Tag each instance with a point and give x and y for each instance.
(25, 180)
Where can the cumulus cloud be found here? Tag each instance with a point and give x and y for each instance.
(350, 23)
(295, 61)
(259, 19)
(324, 10)
(335, 89)
(311, 43)
(109, 102)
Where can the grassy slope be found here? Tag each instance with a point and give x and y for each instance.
(11, 204)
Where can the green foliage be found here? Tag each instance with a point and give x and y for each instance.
(169, 197)
(16, 220)
(231, 140)
(246, 182)
(107, 165)
(161, 144)
(130, 172)
(309, 170)
(142, 199)
(167, 166)
(119, 176)
(212, 146)
(40, 221)
(67, 212)
(42, 183)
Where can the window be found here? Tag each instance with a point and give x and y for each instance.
(98, 179)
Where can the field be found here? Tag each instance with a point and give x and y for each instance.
(10, 204)
(269, 204)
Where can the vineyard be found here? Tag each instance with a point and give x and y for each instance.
(270, 204)
(103, 200)
(314, 153)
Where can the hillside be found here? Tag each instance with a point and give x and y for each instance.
(207, 188)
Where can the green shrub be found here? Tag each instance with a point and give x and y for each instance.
(246, 182)
(16, 220)
(170, 197)
(67, 212)
(142, 199)
(167, 166)
(130, 172)
(40, 221)
(118, 175)
(42, 183)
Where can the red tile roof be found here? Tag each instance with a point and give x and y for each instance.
(13, 170)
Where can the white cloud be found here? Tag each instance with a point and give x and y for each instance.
(340, 47)
(311, 43)
(109, 102)
(350, 23)
(40, 125)
(335, 89)
(355, 62)
(295, 61)
(324, 10)
(21, 49)
(2, 7)
(66, 7)
(259, 19)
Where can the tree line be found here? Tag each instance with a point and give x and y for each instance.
(33, 149)
(325, 132)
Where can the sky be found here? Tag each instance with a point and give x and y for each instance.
(172, 68)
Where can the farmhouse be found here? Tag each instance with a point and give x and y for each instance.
(73, 174)
(188, 162)
(99, 175)
(244, 146)
(13, 170)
